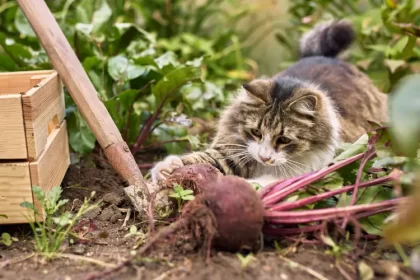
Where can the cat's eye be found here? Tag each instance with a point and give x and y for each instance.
(256, 133)
(283, 140)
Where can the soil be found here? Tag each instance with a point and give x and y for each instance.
(177, 257)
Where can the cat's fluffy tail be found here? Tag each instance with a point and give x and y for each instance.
(327, 39)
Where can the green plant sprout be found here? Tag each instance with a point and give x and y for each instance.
(181, 195)
(50, 234)
(138, 234)
(6, 239)
(245, 260)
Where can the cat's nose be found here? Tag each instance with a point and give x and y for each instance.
(264, 159)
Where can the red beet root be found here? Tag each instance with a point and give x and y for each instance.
(237, 209)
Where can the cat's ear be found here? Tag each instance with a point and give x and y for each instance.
(307, 103)
(259, 90)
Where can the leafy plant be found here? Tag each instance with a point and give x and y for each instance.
(385, 47)
(150, 81)
(55, 229)
(181, 195)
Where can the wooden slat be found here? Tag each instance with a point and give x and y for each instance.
(12, 130)
(15, 188)
(49, 170)
(43, 107)
(18, 82)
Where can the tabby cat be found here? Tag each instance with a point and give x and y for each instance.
(293, 122)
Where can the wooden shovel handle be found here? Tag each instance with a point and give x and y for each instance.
(82, 90)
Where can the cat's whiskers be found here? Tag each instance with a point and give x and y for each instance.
(294, 166)
(232, 144)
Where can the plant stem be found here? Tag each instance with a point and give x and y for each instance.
(275, 197)
(280, 184)
(144, 133)
(366, 158)
(312, 199)
(307, 216)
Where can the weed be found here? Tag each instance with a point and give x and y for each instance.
(181, 195)
(245, 260)
(139, 234)
(50, 234)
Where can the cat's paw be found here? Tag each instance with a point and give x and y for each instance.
(164, 169)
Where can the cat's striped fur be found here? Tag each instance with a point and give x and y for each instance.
(292, 123)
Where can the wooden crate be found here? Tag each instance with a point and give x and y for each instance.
(33, 139)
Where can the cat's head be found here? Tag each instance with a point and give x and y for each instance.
(283, 119)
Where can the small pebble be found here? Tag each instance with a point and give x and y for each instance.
(79, 249)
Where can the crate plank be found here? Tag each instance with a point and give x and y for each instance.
(12, 135)
(18, 82)
(15, 187)
(49, 170)
(43, 109)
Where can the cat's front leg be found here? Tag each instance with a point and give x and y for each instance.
(164, 169)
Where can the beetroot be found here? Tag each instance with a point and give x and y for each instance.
(237, 209)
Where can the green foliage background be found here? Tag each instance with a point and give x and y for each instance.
(156, 64)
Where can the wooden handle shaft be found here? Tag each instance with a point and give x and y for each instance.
(81, 89)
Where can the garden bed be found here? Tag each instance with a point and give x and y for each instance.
(174, 258)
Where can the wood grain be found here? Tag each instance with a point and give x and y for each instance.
(12, 129)
(15, 187)
(81, 89)
(49, 170)
(18, 82)
(43, 107)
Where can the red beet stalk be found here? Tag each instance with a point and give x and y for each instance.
(287, 190)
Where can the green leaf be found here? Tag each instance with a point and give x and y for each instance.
(188, 197)
(186, 192)
(405, 115)
(166, 88)
(84, 28)
(39, 193)
(355, 148)
(63, 220)
(81, 137)
(394, 65)
(6, 239)
(22, 24)
(374, 224)
(4, 216)
(29, 205)
(54, 195)
(101, 16)
(117, 67)
(133, 229)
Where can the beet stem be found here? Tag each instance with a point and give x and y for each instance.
(307, 216)
(367, 157)
(310, 200)
(281, 194)
(280, 184)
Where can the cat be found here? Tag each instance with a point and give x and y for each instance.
(293, 122)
